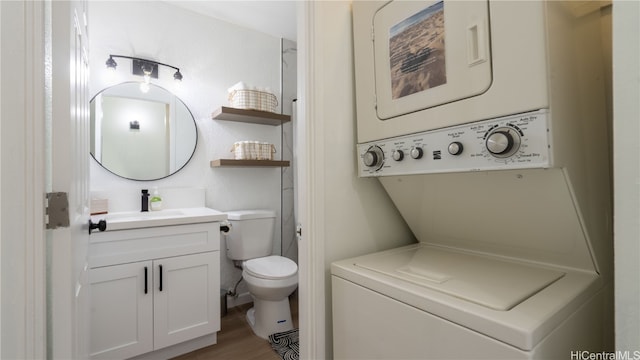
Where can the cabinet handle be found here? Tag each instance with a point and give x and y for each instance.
(160, 288)
(146, 280)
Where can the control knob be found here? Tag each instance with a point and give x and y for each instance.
(455, 148)
(503, 142)
(397, 155)
(416, 152)
(373, 157)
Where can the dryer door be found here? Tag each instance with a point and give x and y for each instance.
(430, 53)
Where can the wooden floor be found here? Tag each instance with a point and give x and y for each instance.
(236, 340)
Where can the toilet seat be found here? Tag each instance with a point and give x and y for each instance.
(271, 267)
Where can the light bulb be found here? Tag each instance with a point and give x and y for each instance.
(144, 87)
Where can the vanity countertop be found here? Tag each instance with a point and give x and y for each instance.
(136, 219)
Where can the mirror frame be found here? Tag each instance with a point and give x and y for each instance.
(195, 124)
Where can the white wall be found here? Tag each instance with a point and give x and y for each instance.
(212, 56)
(626, 108)
(1, 167)
(351, 216)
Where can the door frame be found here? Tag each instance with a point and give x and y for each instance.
(310, 189)
(22, 184)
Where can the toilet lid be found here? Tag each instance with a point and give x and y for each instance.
(271, 267)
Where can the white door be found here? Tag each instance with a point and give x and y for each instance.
(186, 299)
(121, 310)
(68, 169)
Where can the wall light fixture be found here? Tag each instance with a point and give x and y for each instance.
(143, 67)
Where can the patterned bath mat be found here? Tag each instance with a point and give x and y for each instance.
(286, 344)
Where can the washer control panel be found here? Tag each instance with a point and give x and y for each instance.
(511, 142)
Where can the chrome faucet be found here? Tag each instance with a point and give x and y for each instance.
(145, 200)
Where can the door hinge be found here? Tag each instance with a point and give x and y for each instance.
(57, 210)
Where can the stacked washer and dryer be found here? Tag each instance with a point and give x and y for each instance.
(486, 123)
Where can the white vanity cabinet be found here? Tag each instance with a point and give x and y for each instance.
(152, 288)
(121, 317)
(183, 301)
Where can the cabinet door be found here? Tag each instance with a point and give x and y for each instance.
(186, 297)
(121, 310)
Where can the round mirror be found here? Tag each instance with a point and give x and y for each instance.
(141, 135)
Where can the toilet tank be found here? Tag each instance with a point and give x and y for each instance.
(251, 234)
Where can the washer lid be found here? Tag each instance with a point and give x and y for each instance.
(271, 267)
(494, 282)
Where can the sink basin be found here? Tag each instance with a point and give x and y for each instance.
(136, 219)
(133, 216)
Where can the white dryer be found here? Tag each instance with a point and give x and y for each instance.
(485, 122)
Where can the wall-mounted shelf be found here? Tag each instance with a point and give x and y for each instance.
(249, 116)
(249, 163)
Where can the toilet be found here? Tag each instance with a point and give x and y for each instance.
(270, 278)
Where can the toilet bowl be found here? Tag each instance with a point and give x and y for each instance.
(270, 281)
(270, 278)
